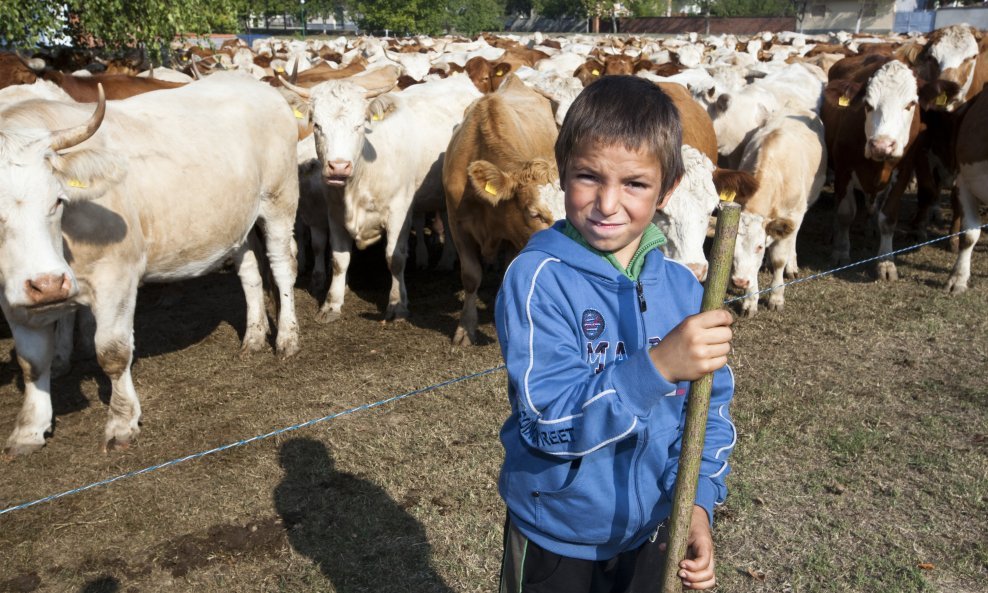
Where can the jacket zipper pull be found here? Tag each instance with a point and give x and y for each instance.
(641, 296)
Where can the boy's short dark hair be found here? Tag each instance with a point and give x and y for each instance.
(625, 110)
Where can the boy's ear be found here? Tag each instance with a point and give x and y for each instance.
(489, 182)
(665, 199)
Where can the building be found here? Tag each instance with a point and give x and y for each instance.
(875, 16)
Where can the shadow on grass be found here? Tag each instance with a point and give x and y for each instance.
(359, 537)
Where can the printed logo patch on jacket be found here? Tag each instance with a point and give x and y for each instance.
(592, 323)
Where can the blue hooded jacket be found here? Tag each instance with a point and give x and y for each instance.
(592, 443)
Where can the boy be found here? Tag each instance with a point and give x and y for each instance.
(600, 335)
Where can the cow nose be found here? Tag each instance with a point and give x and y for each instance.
(741, 283)
(339, 168)
(883, 146)
(48, 288)
(699, 270)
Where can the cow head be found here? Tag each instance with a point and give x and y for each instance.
(685, 216)
(37, 180)
(890, 102)
(950, 56)
(339, 110)
(755, 235)
(529, 196)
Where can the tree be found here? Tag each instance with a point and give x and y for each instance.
(28, 22)
(429, 16)
(751, 8)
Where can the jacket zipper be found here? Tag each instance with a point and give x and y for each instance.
(641, 296)
(638, 495)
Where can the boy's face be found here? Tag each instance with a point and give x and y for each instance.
(611, 196)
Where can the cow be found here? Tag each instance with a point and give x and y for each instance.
(380, 165)
(157, 188)
(972, 186)
(871, 122)
(116, 86)
(13, 70)
(788, 157)
(955, 61)
(501, 184)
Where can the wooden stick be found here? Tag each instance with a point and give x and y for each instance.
(698, 406)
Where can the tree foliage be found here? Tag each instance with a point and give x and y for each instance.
(429, 16)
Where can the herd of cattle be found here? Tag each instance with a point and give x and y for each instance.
(111, 176)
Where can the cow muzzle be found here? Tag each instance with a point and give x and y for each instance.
(47, 289)
(882, 148)
(337, 172)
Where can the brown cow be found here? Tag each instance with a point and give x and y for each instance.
(13, 70)
(972, 186)
(498, 167)
(117, 86)
(871, 130)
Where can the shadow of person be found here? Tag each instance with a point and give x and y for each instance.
(359, 537)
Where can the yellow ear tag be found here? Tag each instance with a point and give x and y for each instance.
(844, 101)
(77, 183)
(596, 72)
(375, 117)
(942, 100)
(298, 114)
(499, 73)
(280, 69)
(489, 188)
(728, 196)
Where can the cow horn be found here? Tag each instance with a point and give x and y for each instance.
(294, 77)
(301, 91)
(195, 69)
(69, 137)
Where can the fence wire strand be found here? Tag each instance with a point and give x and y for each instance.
(406, 395)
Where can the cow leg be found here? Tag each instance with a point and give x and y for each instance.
(281, 250)
(341, 244)
(749, 305)
(792, 265)
(35, 349)
(397, 255)
(421, 250)
(256, 332)
(448, 258)
(320, 239)
(115, 354)
(780, 254)
(847, 209)
(888, 219)
(64, 336)
(971, 221)
(471, 273)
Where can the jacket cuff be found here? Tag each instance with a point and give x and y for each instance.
(640, 385)
(706, 497)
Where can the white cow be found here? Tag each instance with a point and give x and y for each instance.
(685, 218)
(165, 186)
(788, 157)
(381, 164)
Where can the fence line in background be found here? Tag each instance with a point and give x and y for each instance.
(412, 393)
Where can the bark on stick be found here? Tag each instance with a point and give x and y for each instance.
(698, 406)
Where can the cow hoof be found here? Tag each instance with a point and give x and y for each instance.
(12, 452)
(396, 313)
(252, 345)
(116, 444)
(288, 348)
(887, 271)
(462, 337)
(954, 286)
(327, 316)
(778, 305)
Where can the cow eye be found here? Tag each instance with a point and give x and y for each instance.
(868, 107)
(59, 201)
(911, 105)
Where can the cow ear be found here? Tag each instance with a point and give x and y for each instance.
(502, 70)
(723, 103)
(780, 227)
(489, 182)
(301, 109)
(381, 107)
(736, 185)
(87, 174)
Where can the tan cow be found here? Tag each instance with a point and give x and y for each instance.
(498, 171)
(157, 188)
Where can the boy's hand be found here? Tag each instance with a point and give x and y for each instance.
(697, 570)
(697, 346)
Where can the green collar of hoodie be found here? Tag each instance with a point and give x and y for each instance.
(651, 239)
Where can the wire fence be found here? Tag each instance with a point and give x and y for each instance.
(409, 394)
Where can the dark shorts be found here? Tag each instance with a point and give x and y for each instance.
(527, 568)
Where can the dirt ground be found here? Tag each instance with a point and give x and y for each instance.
(861, 464)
